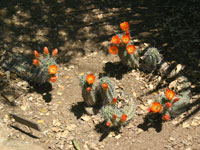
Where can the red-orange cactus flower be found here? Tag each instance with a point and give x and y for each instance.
(176, 99)
(45, 50)
(113, 50)
(114, 117)
(115, 39)
(53, 79)
(114, 100)
(166, 117)
(36, 54)
(130, 49)
(123, 118)
(169, 94)
(55, 52)
(124, 26)
(35, 62)
(89, 89)
(168, 104)
(156, 107)
(105, 86)
(90, 78)
(108, 124)
(125, 39)
(53, 69)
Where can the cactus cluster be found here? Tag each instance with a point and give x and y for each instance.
(129, 56)
(152, 58)
(116, 110)
(120, 111)
(171, 104)
(41, 69)
(122, 46)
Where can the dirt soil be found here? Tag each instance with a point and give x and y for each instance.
(81, 30)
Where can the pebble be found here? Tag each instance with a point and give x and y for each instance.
(85, 118)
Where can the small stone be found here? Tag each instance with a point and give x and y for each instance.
(71, 127)
(55, 129)
(185, 125)
(59, 93)
(65, 133)
(85, 118)
(56, 123)
(66, 77)
(118, 136)
(43, 110)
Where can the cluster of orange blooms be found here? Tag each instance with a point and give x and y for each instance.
(157, 107)
(114, 117)
(125, 40)
(53, 69)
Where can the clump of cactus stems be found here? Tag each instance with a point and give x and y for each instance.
(106, 90)
(169, 105)
(119, 112)
(89, 92)
(151, 59)
(122, 46)
(41, 69)
(45, 66)
(116, 111)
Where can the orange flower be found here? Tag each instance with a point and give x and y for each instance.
(125, 39)
(114, 100)
(168, 104)
(45, 50)
(156, 107)
(115, 39)
(130, 49)
(36, 54)
(123, 118)
(166, 117)
(169, 94)
(55, 52)
(113, 50)
(114, 116)
(105, 86)
(89, 89)
(124, 26)
(53, 69)
(90, 78)
(149, 109)
(36, 62)
(108, 124)
(53, 79)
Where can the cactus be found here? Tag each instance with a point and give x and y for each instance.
(171, 104)
(42, 69)
(125, 49)
(106, 90)
(130, 59)
(89, 91)
(119, 113)
(151, 59)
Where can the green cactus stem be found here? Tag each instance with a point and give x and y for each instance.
(152, 58)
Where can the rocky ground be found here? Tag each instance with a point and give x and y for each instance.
(82, 34)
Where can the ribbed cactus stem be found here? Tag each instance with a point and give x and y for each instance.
(106, 90)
